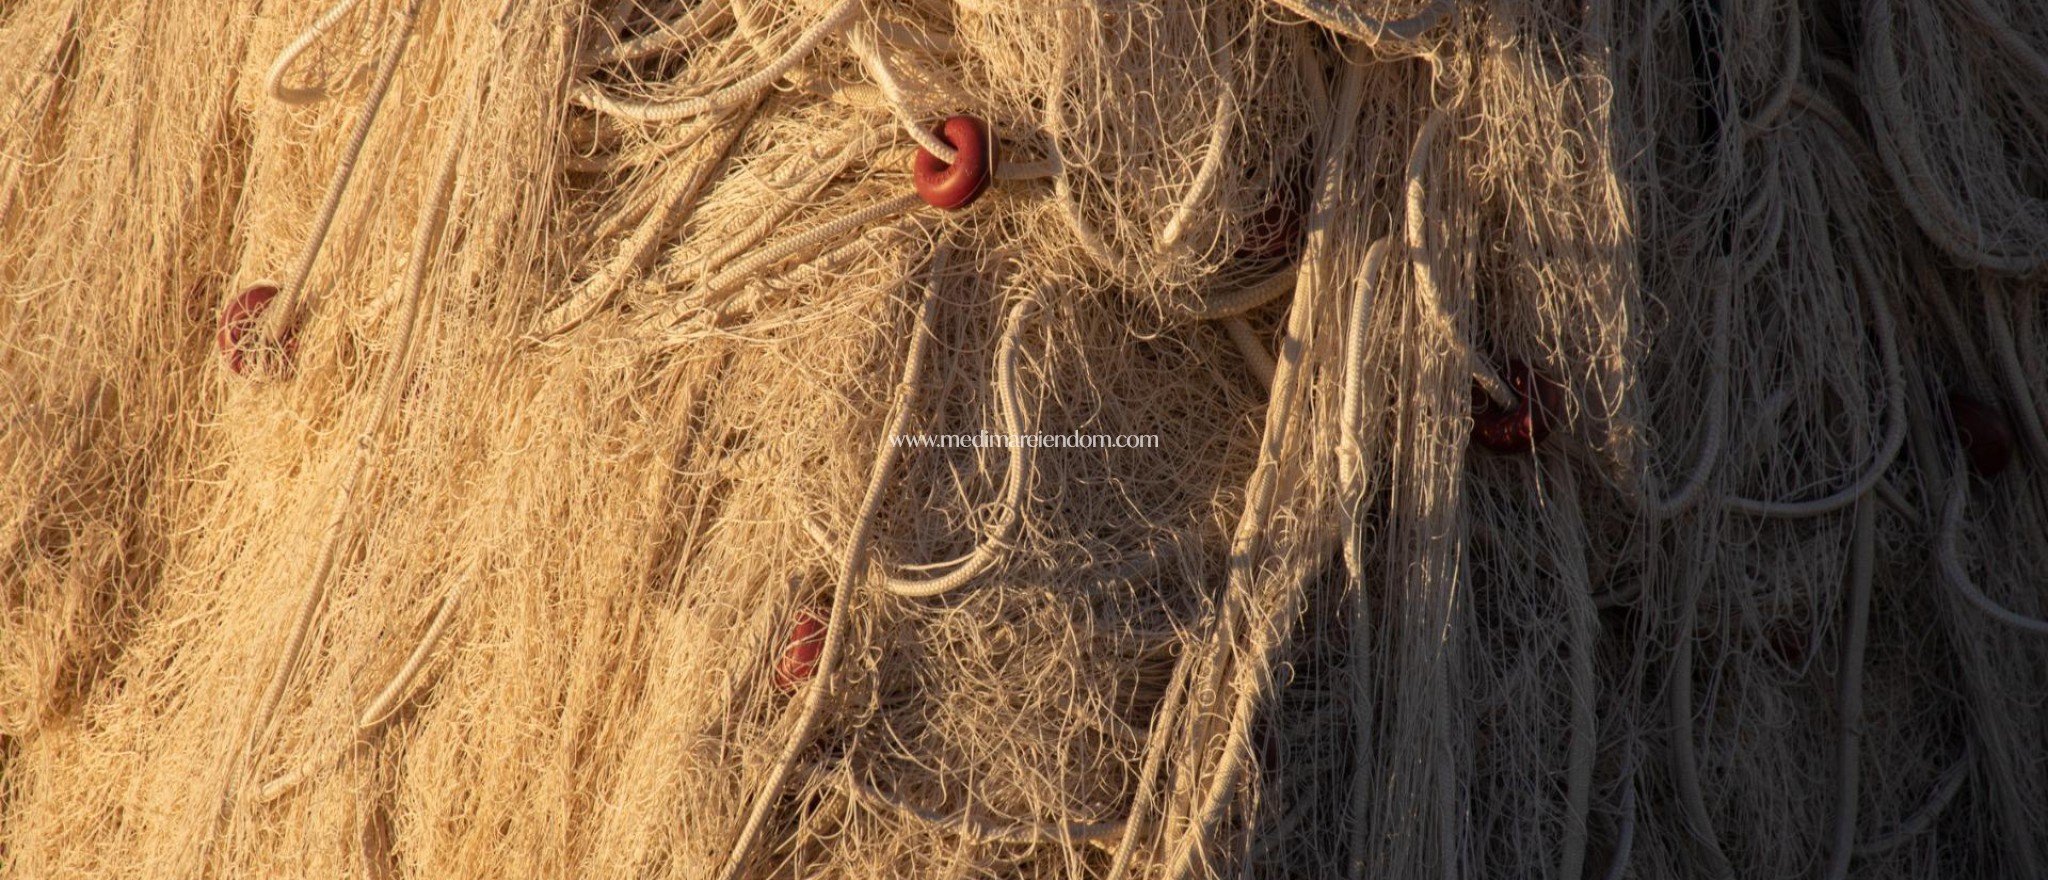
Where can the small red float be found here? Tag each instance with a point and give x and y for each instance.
(1788, 642)
(799, 660)
(1986, 438)
(238, 320)
(1276, 231)
(1538, 402)
(955, 186)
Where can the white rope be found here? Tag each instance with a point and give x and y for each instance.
(1252, 296)
(1209, 172)
(1850, 738)
(1945, 788)
(1252, 348)
(1951, 566)
(972, 827)
(1359, 26)
(1052, 121)
(806, 244)
(1625, 844)
(1719, 342)
(1423, 261)
(274, 81)
(1998, 313)
(853, 565)
(292, 302)
(1016, 479)
(1773, 107)
(1947, 221)
(1895, 430)
(697, 24)
(336, 535)
(802, 191)
(877, 64)
(383, 706)
(589, 96)
(679, 199)
(1254, 676)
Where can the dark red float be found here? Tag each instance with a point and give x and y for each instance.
(1987, 439)
(799, 660)
(1276, 231)
(238, 320)
(1789, 642)
(1539, 402)
(955, 186)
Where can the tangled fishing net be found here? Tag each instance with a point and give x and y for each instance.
(1593, 439)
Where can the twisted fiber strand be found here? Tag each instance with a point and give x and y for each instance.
(1016, 478)
(337, 533)
(1949, 563)
(1694, 815)
(679, 199)
(1625, 839)
(385, 704)
(1254, 295)
(1350, 456)
(1207, 174)
(1716, 429)
(1254, 676)
(1945, 788)
(1998, 315)
(1422, 259)
(802, 246)
(1165, 719)
(877, 63)
(1895, 406)
(805, 188)
(293, 303)
(273, 82)
(1905, 158)
(696, 24)
(1856, 639)
(851, 569)
(1773, 108)
(1367, 29)
(1252, 348)
(1351, 460)
(593, 97)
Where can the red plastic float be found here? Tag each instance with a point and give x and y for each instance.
(1789, 642)
(799, 660)
(238, 320)
(1538, 402)
(1276, 231)
(955, 186)
(1987, 439)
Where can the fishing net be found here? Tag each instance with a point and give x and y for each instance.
(1463, 438)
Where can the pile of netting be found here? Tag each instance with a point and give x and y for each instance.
(1113, 439)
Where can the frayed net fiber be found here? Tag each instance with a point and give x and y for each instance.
(1559, 439)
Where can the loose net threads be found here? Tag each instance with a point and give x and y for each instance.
(1757, 604)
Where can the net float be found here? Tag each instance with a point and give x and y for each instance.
(1986, 438)
(799, 660)
(1517, 429)
(955, 186)
(238, 320)
(1276, 231)
(1788, 642)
